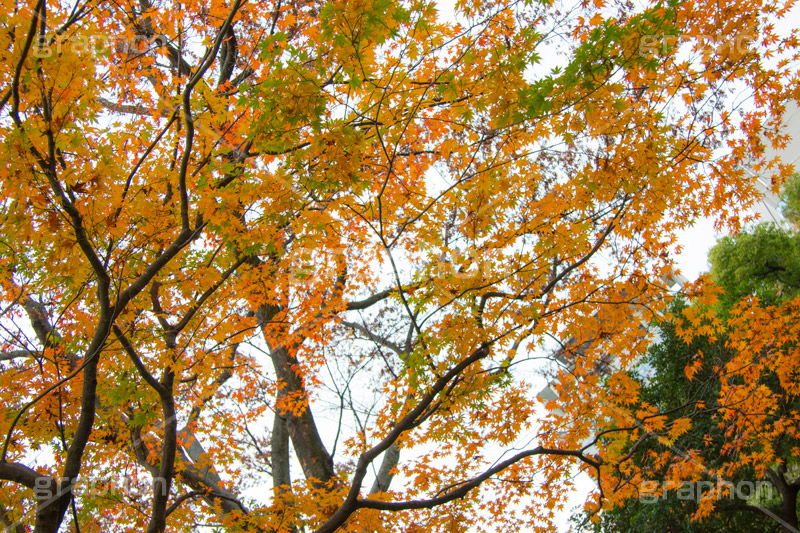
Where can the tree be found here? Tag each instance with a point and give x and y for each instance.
(763, 262)
(667, 502)
(790, 198)
(725, 373)
(315, 245)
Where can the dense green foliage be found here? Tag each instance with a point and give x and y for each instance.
(666, 386)
(790, 197)
(762, 262)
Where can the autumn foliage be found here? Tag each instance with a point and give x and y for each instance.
(717, 442)
(295, 265)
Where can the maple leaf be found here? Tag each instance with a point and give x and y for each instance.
(321, 246)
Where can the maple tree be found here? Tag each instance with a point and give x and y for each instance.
(242, 238)
(670, 503)
(725, 373)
